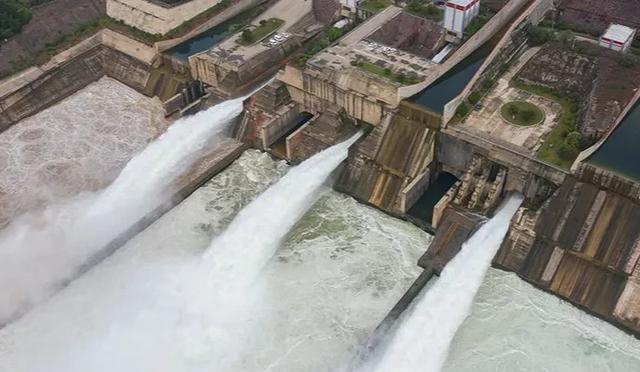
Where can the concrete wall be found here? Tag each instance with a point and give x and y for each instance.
(495, 24)
(153, 17)
(228, 77)
(50, 22)
(273, 130)
(456, 148)
(533, 14)
(231, 11)
(72, 70)
(317, 94)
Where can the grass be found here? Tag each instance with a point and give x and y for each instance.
(265, 28)
(199, 19)
(325, 39)
(550, 151)
(429, 11)
(480, 20)
(387, 73)
(375, 5)
(521, 113)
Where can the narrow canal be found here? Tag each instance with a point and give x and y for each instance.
(215, 35)
(619, 152)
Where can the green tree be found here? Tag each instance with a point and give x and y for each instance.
(247, 36)
(462, 110)
(566, 37)
(574, 139)
(539, 35)
(13, 15)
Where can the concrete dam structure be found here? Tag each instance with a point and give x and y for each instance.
(411, 143)
(398, 178)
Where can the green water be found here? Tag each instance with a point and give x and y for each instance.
(515, 327)
(619, 152)
(213, 36)
(447, 87)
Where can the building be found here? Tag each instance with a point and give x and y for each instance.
(349, 4)
(618, 37)
(458, 14)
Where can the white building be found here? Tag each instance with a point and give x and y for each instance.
(618, 37)
(458, 14)
(350, 4)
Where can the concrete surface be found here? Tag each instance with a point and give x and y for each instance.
(489, 122)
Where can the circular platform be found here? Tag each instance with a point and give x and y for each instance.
(522, 113)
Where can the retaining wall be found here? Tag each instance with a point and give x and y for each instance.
(105, 53)
(154, 17)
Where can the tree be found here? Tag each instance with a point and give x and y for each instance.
(567, 152)
(538, 35)
(247, 36)
(462, 110)
(13, 15)
(574, 139)
(566, 37)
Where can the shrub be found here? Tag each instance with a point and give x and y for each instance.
(463, 110)
(538, 35)
(567, 152)
(566, 37)
(13, 15)
(334, 33)
(475, 97)
(630, 60)
(574, 139)
(247, 36)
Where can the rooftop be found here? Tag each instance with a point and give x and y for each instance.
(618, 32)
(384, 41)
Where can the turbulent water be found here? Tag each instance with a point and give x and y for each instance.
(338, 271)
(421, 341)
(54, 243)
(515, 327)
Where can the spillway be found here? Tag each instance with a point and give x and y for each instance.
(56, 242)
(421, 341)
(332, 279)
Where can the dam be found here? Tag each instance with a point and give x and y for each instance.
(321, 186)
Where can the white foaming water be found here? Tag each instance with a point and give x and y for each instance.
(183, 313)
(221, 324)
(41, 251)
(253, 237)
(422, 339)
(335, 275)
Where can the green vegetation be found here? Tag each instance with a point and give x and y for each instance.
(463, 110)
(539, 35)
(82, 32)
(521, 113)
(329, 36)
(480, 20)
(563, 144)
(397, 77)
(375, 5)
(188, 25)
(13, 15)
(425, 9)
(630, 60)
(266, 27)
(117, 25)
